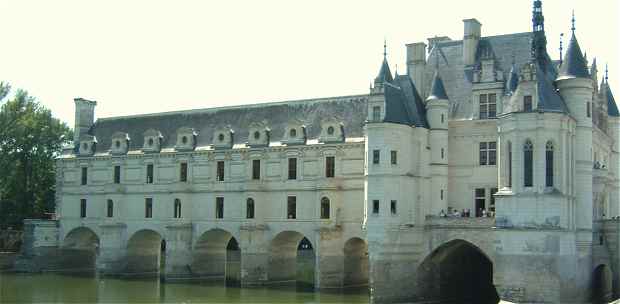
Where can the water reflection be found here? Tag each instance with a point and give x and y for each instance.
(56, 288)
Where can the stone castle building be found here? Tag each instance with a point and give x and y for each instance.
(352, 190)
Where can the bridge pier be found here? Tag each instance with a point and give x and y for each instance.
(254, 256)
(112, 252)
(330, 260)
(178, 252)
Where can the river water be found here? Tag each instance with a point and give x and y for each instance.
(56, 288)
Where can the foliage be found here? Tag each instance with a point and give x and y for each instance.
(30, 139)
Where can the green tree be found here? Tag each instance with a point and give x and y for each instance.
(30, 139)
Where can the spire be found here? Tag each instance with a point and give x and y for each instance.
(561, 46)
(606, 73)
(573, 22)
(385, 75)
(612, 107)
(539, 43)
(438, 91)
(574, 64)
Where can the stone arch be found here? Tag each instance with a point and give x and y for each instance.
(217, 256)
(456, 271)
(602, 284)
(291, 259)
(80, 248)
(145, 253)
(356, 266)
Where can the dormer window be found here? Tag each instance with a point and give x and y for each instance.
(295, 133)
(332, 130)
(186, 139)
(152, 141)
(527, 103)
(258, 135)
(120, 143)
(223, 138)
(87, 145)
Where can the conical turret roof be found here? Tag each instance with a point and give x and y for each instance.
(574, 64)
(385, 75)
(612, 107)
(438, 91)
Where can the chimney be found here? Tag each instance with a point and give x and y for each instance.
(416, 63)
(471, 38)
(84, 117)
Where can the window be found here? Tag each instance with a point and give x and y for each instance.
(393, 207)
(330, 166)
(256, 169)
(148, 207)
(249, 208)
(528, 164)
(220, 171)
(221, 137)
(177, 208)
(325, 208)
(488, 153)
(443, 154)
(375, 207)
(394, 157)
(549, 165)
(293, 133)
(83, 208)
(330, 130)
(376, 113)
(149, 173)
(488, 106)
(110, 208)
(441, 194)
(480, 201)
(184, 140)
(589, 109)
(442, 118)
(509, 164)
(256, 135)
(183, 177)
(117, 174)
(376, 156)
(84, 175)
(291, 207)
(527, 104)
(292, 168)
(219, 207)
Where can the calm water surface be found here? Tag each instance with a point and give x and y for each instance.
(55, 288)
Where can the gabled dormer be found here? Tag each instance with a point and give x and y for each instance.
(223, 138)
(152, 141)
(186, 139)
(120, 143)
(332, 130)
(88, 145)
(294, 133)
(258, 135)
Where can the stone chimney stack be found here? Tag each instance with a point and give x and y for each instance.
(471, 38)
(84, 117)
(416, 63)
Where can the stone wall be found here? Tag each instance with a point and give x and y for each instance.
(10, 240)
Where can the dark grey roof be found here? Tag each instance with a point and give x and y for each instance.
(612, 107)
(351, 110)
(574, 64)
(457, 78)
(415, 103)
(403, 104)
(438, 91)
(384, 73)
(549, 100)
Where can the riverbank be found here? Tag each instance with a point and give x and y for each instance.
(7, 260)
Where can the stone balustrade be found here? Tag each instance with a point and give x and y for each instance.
(459, 222)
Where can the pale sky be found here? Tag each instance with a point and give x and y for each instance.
(149, 56)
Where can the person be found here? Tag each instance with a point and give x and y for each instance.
(484, 213)
(442, 213)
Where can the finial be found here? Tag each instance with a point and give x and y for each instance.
(573, 21)
(384, 48)
(606, 73)
(561, 47)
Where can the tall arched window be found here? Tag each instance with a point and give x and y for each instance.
(249, 208)
(509, 148)
(110, 208)
(177, 208)
(325, 208)
(549, 164)
(528, 164)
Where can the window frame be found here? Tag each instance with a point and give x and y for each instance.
(183, 172)
(84, 176)
(110, 208)
(376, 157)
(393, 207)
(292, 168)
(83, 207)
(219, 207)
(330, 166)
(148, 207)
(256, 169)
(528, 103)
(376, 113)
(528, 164)
(250, 208)
(479, 200)
(487, 153)
(117, 174)
(220, 171)
(291, 207)
(549, 164)
(325, 208)
(394, 157)
(376, 207)
(178, 208)
(150, 173)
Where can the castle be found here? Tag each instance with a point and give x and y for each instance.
(488, 171)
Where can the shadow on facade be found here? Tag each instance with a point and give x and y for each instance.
(217, 257)
(356, 265)
(292, 261)
(457, 272)
(602, 291)
(79, 251)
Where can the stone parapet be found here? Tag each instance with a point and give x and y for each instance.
(459, 222)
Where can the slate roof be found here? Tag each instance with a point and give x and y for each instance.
(513, 80)
(612, 107)
(574, 64)
(549, 100)
(416, 109)
(351, 110)
(384, 73)
(457, 78)
(438, 91)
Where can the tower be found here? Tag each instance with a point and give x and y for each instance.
(84, 117)
(437, 105)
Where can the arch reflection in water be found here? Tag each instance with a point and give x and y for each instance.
(292, 260)
(79, 250)
(457, 272)
(217, 256)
